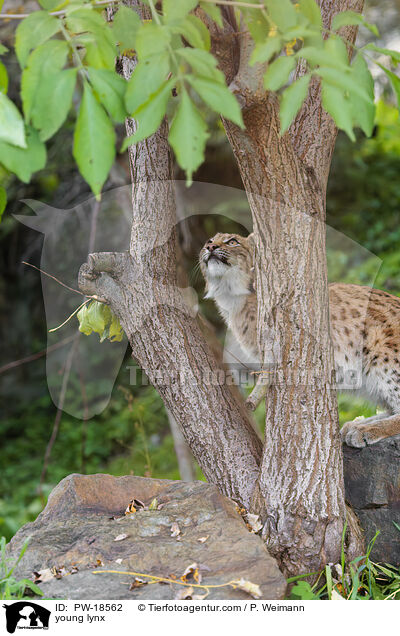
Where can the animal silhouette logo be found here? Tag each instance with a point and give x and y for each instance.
(26, 615)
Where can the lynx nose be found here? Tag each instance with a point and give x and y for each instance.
(212, 247)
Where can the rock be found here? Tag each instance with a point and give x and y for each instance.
(77, 531)
(372, 480)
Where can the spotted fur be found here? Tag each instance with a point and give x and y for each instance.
(364, 323)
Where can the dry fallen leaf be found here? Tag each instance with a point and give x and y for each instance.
(99, 563)
(119, 561)
(184, 594)
(247, 586)
(175, 530)
(203, 539)
(254, 522)
(121, 537)
(191, 574)
(137, 583)
(42, 576)
(131, 508)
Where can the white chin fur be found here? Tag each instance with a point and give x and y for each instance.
(216, 268)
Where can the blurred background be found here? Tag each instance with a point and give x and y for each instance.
(131, 432)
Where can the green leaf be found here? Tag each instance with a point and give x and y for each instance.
(115, 333)
(321, 57)
(53, 101)
(188, 136)
(263, 51)
(346, 18)
(219, 98)
(363, 111)
(12, 128)
(51, 5)
(146, 79)
(351, 18)
(282, 13)
(291, 101)
(24, 161)
(395, 82)
(3, 49)
(278, 72)
(395, 55)
(45, 60)
(85, 19)
(3, 79)
(257, 23)
(38, 27)
(343, 81)
(338, 107)
(202, 63)
(311, 10)
(98, 53)
(93, 317)
(98, 318)
(110, 90)
(125, 27)
(213, 11)
(150, 114)
(174, 10)
(195, 32)
(95, 34)
(94, 141)
(336, 50)
(152, 39)
(3, 201)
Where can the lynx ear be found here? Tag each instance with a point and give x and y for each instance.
(250, 239)
(252, 245)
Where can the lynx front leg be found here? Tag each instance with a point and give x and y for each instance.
(371, 430)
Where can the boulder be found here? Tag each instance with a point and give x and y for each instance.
(372, 481)
(83, 531)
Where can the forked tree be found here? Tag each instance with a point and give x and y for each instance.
(294, 480)
(283, 76)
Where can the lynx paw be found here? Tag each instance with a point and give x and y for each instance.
(358, 435)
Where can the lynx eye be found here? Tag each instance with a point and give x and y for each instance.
(232, 241)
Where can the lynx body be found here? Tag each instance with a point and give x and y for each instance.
(364, 325)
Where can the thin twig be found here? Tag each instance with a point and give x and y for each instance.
(85, 302)
(35, 356)
(165, 580)
(54, 278)
(228, 3)
(21, 16)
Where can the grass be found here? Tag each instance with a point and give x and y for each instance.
(10, 587)
(360, 579)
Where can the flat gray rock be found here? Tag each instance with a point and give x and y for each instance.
(77, 532)
(372, 480)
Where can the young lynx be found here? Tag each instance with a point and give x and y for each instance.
(364, 323)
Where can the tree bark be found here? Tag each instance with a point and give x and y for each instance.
(300, 491)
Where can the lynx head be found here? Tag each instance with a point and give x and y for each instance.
(227, 264)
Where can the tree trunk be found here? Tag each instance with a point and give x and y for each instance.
(299, 489)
